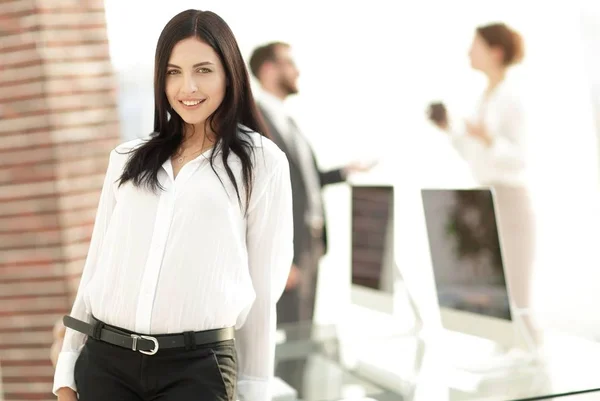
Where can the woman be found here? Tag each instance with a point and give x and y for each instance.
(192, 240)
(493, 145)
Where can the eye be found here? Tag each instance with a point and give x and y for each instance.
(204, 70)
(172, 72)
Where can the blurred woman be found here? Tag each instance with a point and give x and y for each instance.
(494, 145)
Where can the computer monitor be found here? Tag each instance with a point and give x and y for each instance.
(466, 256)
(372, 261)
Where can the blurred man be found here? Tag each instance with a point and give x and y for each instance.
(274, 67)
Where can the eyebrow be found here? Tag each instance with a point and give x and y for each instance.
(194, 66)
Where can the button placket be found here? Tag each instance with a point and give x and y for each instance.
(164, 217)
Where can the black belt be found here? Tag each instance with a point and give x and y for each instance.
(148, 345)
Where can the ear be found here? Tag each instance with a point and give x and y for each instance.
(498, 54)
(267, 67)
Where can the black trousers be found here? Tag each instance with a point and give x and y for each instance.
(106, 372)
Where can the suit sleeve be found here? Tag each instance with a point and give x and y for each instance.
(332, 177)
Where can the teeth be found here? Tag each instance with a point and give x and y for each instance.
(191, 102)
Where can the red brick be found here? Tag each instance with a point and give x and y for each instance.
(58, 107)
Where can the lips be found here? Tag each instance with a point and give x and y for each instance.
(192, 102)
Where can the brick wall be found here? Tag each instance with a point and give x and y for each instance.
(58, 121)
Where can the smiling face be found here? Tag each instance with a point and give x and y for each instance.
(195, 81)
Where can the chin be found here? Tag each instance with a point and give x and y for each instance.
(191, 119)
(292, 91)
(196, 121)
(476, 66)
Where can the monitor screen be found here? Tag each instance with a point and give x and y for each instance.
(372, 237)
(465, 251)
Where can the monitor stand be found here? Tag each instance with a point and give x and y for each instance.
(480, 355)
(373, 326)
(405, 304)
(376, 313)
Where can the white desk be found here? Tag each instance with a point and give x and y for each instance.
(419, 370)
(405, 368)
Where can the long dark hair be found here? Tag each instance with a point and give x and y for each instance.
(238, 106)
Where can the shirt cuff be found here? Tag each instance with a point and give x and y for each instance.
(64, 375)
(254, 389)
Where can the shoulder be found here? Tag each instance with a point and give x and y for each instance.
(120, 154)
(508, 99)
(265, 150)
(126, 148)
(268, 159)
(511, 90)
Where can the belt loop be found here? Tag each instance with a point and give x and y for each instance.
(189, 338)
(97, 330)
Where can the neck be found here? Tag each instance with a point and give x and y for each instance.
(196, 136)
(495, 77)
(274, 90)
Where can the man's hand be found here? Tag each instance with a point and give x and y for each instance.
(293, 278)
(66, 394)
(358, 167)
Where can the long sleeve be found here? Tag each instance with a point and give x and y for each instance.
(504, 158)
(73, 341)
(508, 147)
(507, 150)
(332, 177)
(269, 239)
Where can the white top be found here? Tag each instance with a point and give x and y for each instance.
(295, 140)
(187, 259)
(504, 161)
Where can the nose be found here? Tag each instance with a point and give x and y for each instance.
(189, 85)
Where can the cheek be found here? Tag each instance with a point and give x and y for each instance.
(289, 73)
(216, 89)
(171, 89)
(476, 56)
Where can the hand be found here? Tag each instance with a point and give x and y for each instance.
(478, 131)
(359, 167)
(59, 335)
(66, 394)
(55, 351)
(293, 278)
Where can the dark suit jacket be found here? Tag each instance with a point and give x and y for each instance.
(302, 234)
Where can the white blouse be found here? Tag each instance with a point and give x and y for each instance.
(504, 161)
(187, 259)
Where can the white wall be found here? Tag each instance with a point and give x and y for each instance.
(368, 69)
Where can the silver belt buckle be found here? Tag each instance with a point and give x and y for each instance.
(138, 337)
